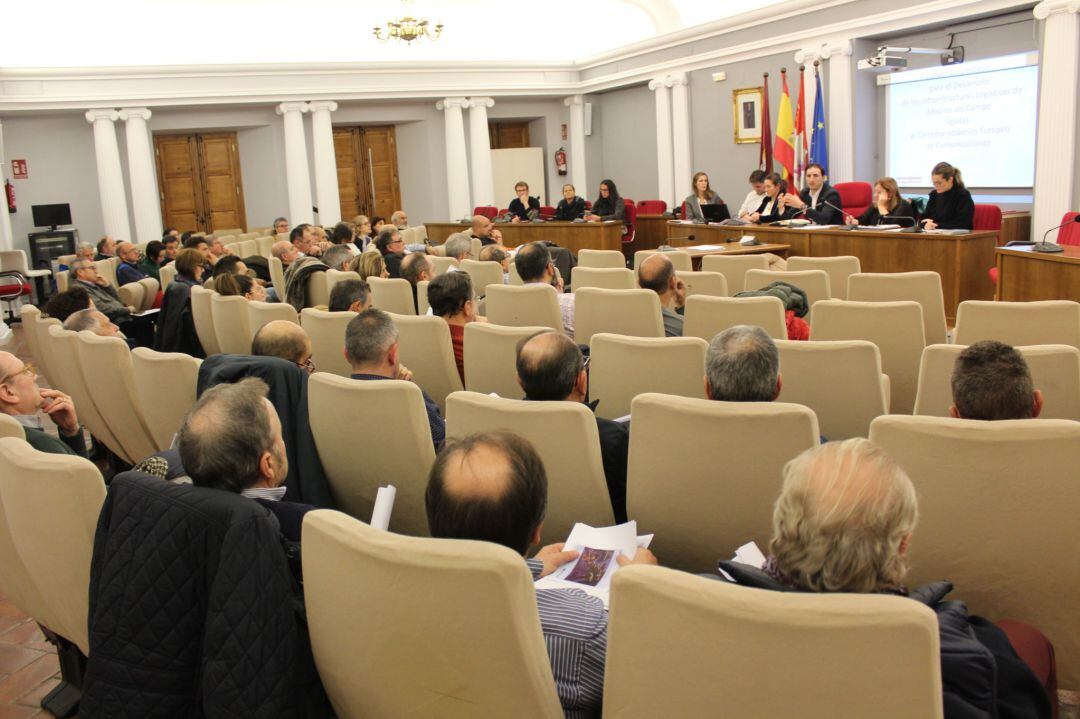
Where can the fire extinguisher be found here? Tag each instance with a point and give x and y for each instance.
(560, 161)
(9, 191)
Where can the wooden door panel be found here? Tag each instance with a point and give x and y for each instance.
(379, 158)
(180, 193)
(350, 182)
(508, 135)
(222, 186)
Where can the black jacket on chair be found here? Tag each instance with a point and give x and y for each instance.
(175, 323)
(193, 611)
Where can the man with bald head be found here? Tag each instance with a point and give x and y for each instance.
(128, 270)
(22, 398)
(484, 230)
(285, 340)
(416, 268)
(657, 273)
(551, 368)
(284, 251)
(493, 488)
(91, 320)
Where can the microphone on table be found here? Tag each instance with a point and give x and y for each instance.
(1044, 246)
(900, 217)
(843, 215)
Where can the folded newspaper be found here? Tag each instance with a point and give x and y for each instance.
(591, 571)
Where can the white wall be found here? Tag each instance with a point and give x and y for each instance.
(626, 124)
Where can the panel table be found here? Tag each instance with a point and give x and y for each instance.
(574, 236)
(1025, 275)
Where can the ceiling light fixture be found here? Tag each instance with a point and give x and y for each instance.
(407, 29)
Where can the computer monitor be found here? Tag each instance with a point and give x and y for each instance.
(51, 215)
(715, 213)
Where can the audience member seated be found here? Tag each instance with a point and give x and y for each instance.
(305, 241)
(170, 232)
(843, 522)
(150, 264)
(392, 248)
(85, 251)
(773, 208)
(171, 249)
(321, 237)
(484, 230)
(228, 265)
(534, 266)
(756, 195)
(819, 201)
(991, 381)
(363, 232)
(106, 248)
(493, 488)
(285, 340)
(371, 348)
(345, 235)
(64, 304)
(200, 244)
(416, 267)
(296, 281)
(22, 398)
(338, 256)
(107, 299)
(523, 205)
(742, 364)
(176, 326)
(494, 253)
(551, 368)
(459, 245)
(889, 208)
(129, 269)
(217, 248)
(284, 251)
(949, 206)
(703, 194)
(245, 286)
(377, 223)
(450, 296)
(369, 264)
(656, 273)
(400, 220)
(91, 320)
(609, 206)
(570, 207)
(350, 296)
(281, 226)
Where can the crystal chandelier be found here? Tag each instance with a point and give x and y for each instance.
(407, 29)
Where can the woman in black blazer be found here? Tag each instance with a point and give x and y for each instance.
(571, 207)
(888, 208)
(950, 206)
(772, 208)
(609, 206)
(522, 205)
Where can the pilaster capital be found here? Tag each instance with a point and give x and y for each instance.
(574, 100)
(844, 48)
(319, 105)
(141, 113)
(291, 107)
(678, 78)
(807, 55)
(450, 103)
(660, 82)
(481, 102)
(1050, 7)
(102, 113)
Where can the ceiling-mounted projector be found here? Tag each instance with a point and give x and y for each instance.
(889, 58)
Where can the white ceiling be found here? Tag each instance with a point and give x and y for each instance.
(75, 33)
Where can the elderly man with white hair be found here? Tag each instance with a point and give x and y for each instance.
(22, 398)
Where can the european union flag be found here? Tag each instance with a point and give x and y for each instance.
(819, 145)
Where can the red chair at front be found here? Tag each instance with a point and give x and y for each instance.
(651, 207)
(13, 287)
(547, 211)
(488, 211)
(630, 221)
(987, 219)
(1068, 234)
(855, 197)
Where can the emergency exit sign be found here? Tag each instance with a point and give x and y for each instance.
(18, 169)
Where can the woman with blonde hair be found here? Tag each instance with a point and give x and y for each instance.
(889, 205)
(702, 195)
(369, 264)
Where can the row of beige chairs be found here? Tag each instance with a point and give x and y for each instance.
(140, 295)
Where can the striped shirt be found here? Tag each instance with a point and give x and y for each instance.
(575, 631)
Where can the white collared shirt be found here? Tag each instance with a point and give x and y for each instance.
(274, 494)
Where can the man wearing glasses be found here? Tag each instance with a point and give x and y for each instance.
(21, 398)
(392, 247)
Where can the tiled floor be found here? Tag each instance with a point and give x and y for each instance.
(29, 668)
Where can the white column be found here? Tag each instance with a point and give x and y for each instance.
(665, 160)
(483, 181)
(840, 119)
(457, 168)
(114, 211)
(143, 175)
(7, 237)
(1055, 147)
(326, 183)
(578, 178)
(297, 178)
(680, 121)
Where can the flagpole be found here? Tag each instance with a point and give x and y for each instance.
(765, 155)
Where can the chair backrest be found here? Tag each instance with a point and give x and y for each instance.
(414, 235)
(151, 288)
(707, 317)
(704, 475)
(823, 646)
(897, 330)
(491, 357)
(611, 259)
(247, 248)
(261, 314)
(230, 318)
(733, 268)
(264, 244)
(515, 278)
(634, 313)
(810, 372)
(837, 268)
(10, 427)
(37, 327)
(1069, 233)
(442, 265)
(29, 314)
(482, 274)
(992, 497)
(107, 370)
(922, 287)
(1051, 322)
(986, 218)
(1055, 371)
(361, 585)
(855, 197)
(680, 259)
(422, 305)
(623, 367)
(606, 278)
(13, 260)
(651, 207)
(475, 247)
(488, 211)
(318, 291)
(815, 283)
(203, 317)
(51, 503)
(533, 305)
(363, 448)
(327, 333)
(132, 295)
(392, 295)
(166, 384)
(708, 284)
(567, 439)
(547, 211)
(424, 346)
(629, 221)
(332, 277)
(62, 279)
(168, 274)
(15, 581)
(277, 275)
(107, 269)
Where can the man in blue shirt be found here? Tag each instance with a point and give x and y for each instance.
(128, 270)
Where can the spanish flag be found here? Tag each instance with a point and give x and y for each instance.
(784, 148)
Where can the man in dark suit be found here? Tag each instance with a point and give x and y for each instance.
(550, 367)
(813, 198)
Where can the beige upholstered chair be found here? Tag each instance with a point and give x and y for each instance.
(534, 305)
(362, 585)
(515, 278)
(815, 283)
(277, 276)
(37, 331)
(895, 327)
(475, 247)
(132, 295)
(609, 279)
(734, 267)
(634, 313)
(1055, 371)
(203, 317)
(997, 500)
(231, 328)
(107, 371)
(264, 244)
(15, 579)
(442, 264)
(107, 269)
(261, 314)
(709, 284)
(1053, 322)
(414, 235)
(566, 437)
(838, 268)
(707, 317)
(491, 358)
(63, 279)
(370, 433)
(422, 305)
(679, 258)
(52, 521)
(703, 475)
(166, 384)
(922, 287)
(392, 295)
(841, 381)
(168, 274)
(327, 333)
(828, 648)
(612, 259)
(335, 276)
(318, 290)
(483, 274)
(246, 248)
(151, 287)
(10, 427)
(622, 367)
(424, 346)
(30, 315)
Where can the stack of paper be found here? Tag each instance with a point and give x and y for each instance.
(591, 571)
(747, 554)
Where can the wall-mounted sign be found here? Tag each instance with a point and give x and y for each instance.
(18, 169)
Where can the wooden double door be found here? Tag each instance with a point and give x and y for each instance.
(367, 171)
(199, 180)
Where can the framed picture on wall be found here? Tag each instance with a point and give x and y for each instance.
(747, 108)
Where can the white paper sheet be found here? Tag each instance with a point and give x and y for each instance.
(384, 506)
(707, 247)
(748, 553)
(591, 572)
